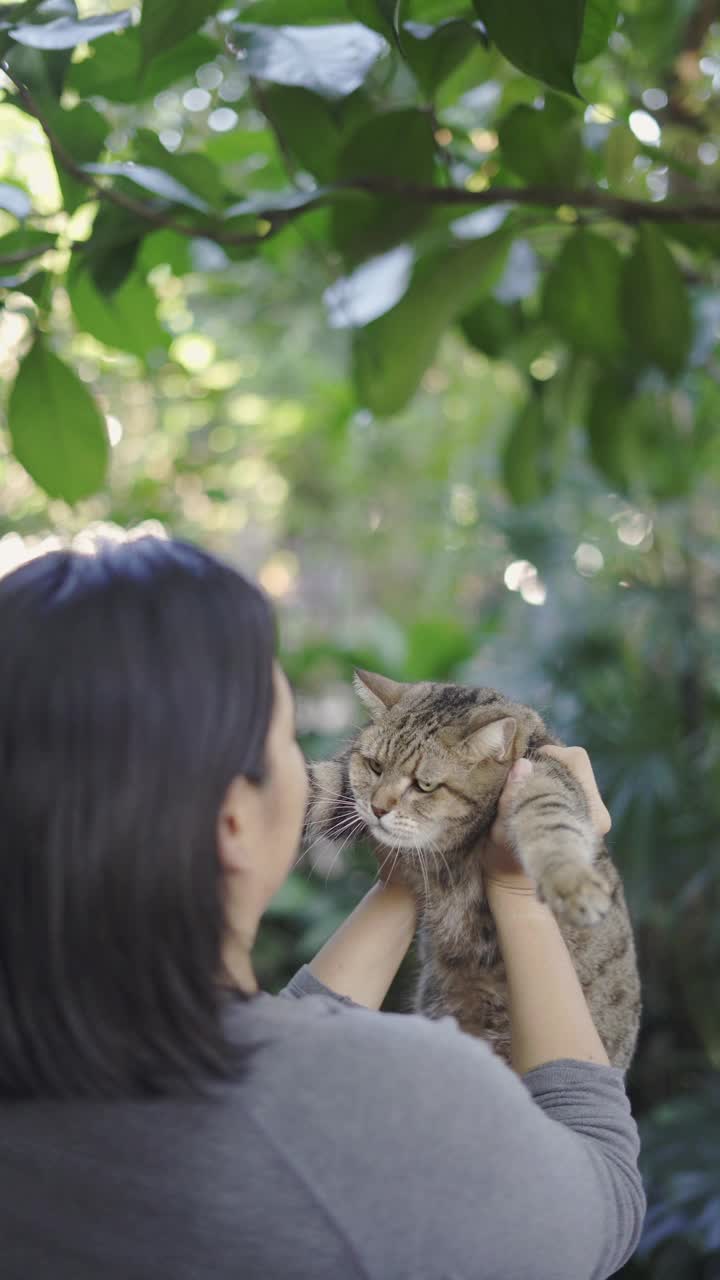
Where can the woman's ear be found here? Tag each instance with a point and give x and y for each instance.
(234, 825)
(378, 693)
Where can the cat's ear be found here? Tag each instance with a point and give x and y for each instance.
(377, 692)
(493, 741)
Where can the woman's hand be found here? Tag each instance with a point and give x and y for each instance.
(498, 859)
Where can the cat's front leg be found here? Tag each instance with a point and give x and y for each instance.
(552, 833)
(331, 812)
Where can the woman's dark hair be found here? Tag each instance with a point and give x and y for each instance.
(134, 685)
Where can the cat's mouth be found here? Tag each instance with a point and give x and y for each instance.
(389, 838)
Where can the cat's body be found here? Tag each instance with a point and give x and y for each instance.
(422, 780)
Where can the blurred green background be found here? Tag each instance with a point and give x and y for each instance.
(462, 430)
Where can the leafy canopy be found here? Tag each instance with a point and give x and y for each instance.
(543, 169)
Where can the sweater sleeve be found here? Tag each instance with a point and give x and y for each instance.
(436, 1160)
(567, 1124)
(304, 983)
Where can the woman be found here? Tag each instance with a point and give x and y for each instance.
(161, 1115)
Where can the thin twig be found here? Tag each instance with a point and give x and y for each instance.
(21, 255)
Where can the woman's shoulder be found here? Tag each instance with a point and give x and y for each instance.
(325, 1024)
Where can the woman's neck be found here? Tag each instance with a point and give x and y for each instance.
(238, 970)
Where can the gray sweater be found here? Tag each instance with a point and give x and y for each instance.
(363, 1145)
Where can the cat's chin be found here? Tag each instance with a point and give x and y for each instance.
(390, 841)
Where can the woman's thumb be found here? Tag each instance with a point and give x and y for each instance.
(520, 772)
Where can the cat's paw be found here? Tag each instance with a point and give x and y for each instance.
(576, 894)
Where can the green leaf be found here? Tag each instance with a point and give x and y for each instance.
(581, 296)
(605, 427)
(14, 200)
(111, 71)
(620, 150)
(67, 32)
(300, 12)
(165, 23)
(534, 453)
(381, 15)
(150, 178)
(434, 11)
(36, 11)
(391, 354)
(540, 37)
(657, 454)
(637, 441)
(434, 52)
(82, 132)
(110, 252)
(520, 473)
(31, 283)
(542, 146)
(269, 202)
(165, 248)
(656, 306)
(43, 73)
(372, 289)
(702, 237)
(490, 327)
(193, 169)
(600, 21)
(307, 126)
(126, 320)
(114, 70)
(11, 14)
(17, 244)
(58, 432)
(396, 144)
(332, 61)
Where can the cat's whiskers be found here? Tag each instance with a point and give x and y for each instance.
(342, 824)
(337, 855)
(426, 881)
(435, 851)
(330, 791)
(339, 829)
(434, 857)
(341, 804)
(324, 786)
(348, 822)
(397, 855)
(390, 854)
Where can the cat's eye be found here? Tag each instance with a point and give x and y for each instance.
(373, 765)
(426, 786)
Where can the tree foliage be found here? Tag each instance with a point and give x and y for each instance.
(505, 147)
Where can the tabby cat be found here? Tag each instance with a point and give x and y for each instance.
(422, 781)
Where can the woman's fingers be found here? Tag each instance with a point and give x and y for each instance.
(577, 760)
(520, 772)
(517, 777)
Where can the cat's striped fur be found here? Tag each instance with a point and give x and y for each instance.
(459, 744)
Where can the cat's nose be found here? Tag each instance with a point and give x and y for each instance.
(379, 813)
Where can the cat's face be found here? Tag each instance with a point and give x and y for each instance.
(426, 773)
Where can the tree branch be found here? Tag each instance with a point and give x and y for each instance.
(619, 207)
(112, 195)
(22, 255)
